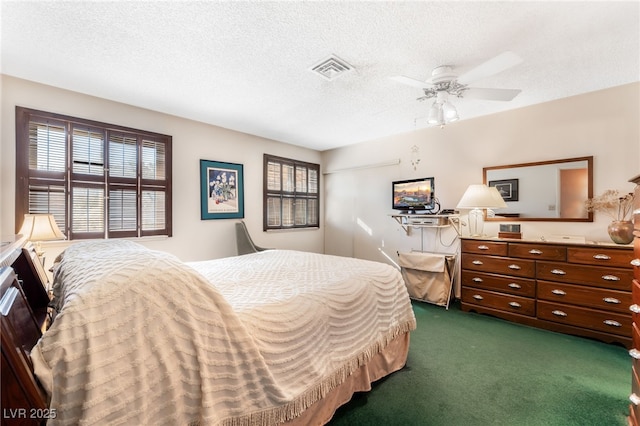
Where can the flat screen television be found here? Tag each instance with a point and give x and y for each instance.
(414, 194)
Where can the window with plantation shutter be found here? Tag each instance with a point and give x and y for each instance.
(98, 180)
(291, 193)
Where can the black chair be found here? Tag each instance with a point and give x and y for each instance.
(244, 242)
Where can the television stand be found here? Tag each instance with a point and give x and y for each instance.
(422, 221)
(409, 220)
(417, 213)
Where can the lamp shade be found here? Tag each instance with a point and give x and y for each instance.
(481, 196)
(40, 227)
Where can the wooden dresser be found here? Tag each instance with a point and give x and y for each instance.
(634, 408)
(580, 289)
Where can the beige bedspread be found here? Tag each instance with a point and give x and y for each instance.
(142, 338)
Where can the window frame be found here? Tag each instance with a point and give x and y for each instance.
(294, 195)
(71, 180)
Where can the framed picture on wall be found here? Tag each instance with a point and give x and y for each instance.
(508, 188)
(221, 190)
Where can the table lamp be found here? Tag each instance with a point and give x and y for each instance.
(476, 198)
(40, 227)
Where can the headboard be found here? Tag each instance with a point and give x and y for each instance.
(35, 283)
(23, 308)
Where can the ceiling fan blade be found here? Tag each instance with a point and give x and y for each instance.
(410, 81)
(493, 66)
(491, 94)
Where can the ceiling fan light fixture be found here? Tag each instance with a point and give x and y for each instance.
(441, 113)
(449, 112)
(436, 115)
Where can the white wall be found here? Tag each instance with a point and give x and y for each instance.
(193, 239)
(603, 124)
(357, 201)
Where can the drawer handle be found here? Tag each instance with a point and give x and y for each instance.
(515, 267)
(478, 297)
(477, 262)
(635, 309)
(535, 251)
(612, 323)
(515, 305)
(559, 313)
(515, 285)
(610, 278)
(558, 272)
(634, 353)
(601, 257)
(611, 300)
(476, 280)
(635, 262)
(635, 400)
(558, 292)
(483, 247)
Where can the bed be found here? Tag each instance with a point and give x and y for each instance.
(261, 339)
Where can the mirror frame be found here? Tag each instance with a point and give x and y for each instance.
(589, 218)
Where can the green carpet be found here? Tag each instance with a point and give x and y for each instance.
(472, 370)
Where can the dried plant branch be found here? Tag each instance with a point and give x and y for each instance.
(617, 206)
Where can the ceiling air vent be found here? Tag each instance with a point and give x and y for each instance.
(331, 67)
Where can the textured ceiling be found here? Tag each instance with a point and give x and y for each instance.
(246, 65)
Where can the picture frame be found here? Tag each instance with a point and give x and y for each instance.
(507, 227)
(221, 190)
(508, 188)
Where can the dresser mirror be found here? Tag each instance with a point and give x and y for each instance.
(554, 190)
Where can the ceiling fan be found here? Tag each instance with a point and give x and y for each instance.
(445, 82)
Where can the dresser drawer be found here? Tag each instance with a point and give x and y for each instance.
(499, 265)
(614, 278)
(634, 407)
(635, 291)
(599, 298)
(512, 285)
(538, 251)
(636, 338)
(635, 300)
(600, 256)
(608, 322)
(502, 302)
(632, 420)
(484, 247)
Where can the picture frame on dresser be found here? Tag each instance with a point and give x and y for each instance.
(510, 231)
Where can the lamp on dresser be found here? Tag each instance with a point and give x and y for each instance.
(476, 198)
(40, 227)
